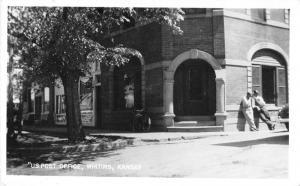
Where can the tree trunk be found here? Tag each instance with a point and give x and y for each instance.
(51, 105)
(10, 108)
(73, 115)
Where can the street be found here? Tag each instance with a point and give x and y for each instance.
(242, 155)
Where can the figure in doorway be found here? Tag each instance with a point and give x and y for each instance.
(129, 92)
(248, 111)
(261, 111)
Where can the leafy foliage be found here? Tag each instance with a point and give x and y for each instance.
(56, 41)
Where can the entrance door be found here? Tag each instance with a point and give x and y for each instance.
(194, 89)
(38, 107)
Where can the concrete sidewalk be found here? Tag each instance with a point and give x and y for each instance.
(122, 139)
(138, 136)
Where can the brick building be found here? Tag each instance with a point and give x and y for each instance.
(194, 81)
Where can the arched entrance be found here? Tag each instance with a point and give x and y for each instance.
(194, 89)
(118, 90)
(205, 61)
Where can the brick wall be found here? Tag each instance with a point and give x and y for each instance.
(154, 87)
(146, 39)
(218, 37)
(197, 34)
(236, 84)
(241, 35)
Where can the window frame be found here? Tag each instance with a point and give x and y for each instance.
(276, 83)
(60, 107)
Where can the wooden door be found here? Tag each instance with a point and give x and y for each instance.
(194, 89)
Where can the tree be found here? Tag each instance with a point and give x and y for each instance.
(61, 42)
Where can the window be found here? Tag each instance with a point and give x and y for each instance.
(282, 86)
(60, 104)
(277, 15)
(258, 14)
(238, 10)
(269, 77)
(189, 11)
(30, 100)
(127, 86)
(86, 93)
(46, 99)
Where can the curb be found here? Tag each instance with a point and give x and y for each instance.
(182, 138)
(106, 146)
(117, 144)
(96, 146)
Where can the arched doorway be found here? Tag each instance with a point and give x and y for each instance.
(194, 89)
(219, 80)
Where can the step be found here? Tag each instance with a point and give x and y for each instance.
(194, 123)
(196, 129)
(194, 118)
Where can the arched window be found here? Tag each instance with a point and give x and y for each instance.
(127, 86)
(269, 76)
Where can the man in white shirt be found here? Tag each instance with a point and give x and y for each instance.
(248, 111)
(261, 110)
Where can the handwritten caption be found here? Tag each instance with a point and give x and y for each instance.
(109, 167)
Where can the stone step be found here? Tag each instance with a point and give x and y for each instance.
(194, 118)
(194, 123)
(196, 129)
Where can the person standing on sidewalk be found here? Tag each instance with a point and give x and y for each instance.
(248, 111)
(261, 110)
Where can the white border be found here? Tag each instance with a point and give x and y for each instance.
(294, 91)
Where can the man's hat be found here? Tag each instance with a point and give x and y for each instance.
(255, 92)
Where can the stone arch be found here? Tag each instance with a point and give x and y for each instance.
(169, 74)
(266, 45)
(194, 54)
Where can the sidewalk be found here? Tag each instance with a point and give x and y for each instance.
(136, 136)
(54, 139)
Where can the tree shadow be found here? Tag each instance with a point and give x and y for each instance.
(278, 140)
(16, 158)
(36, 148)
